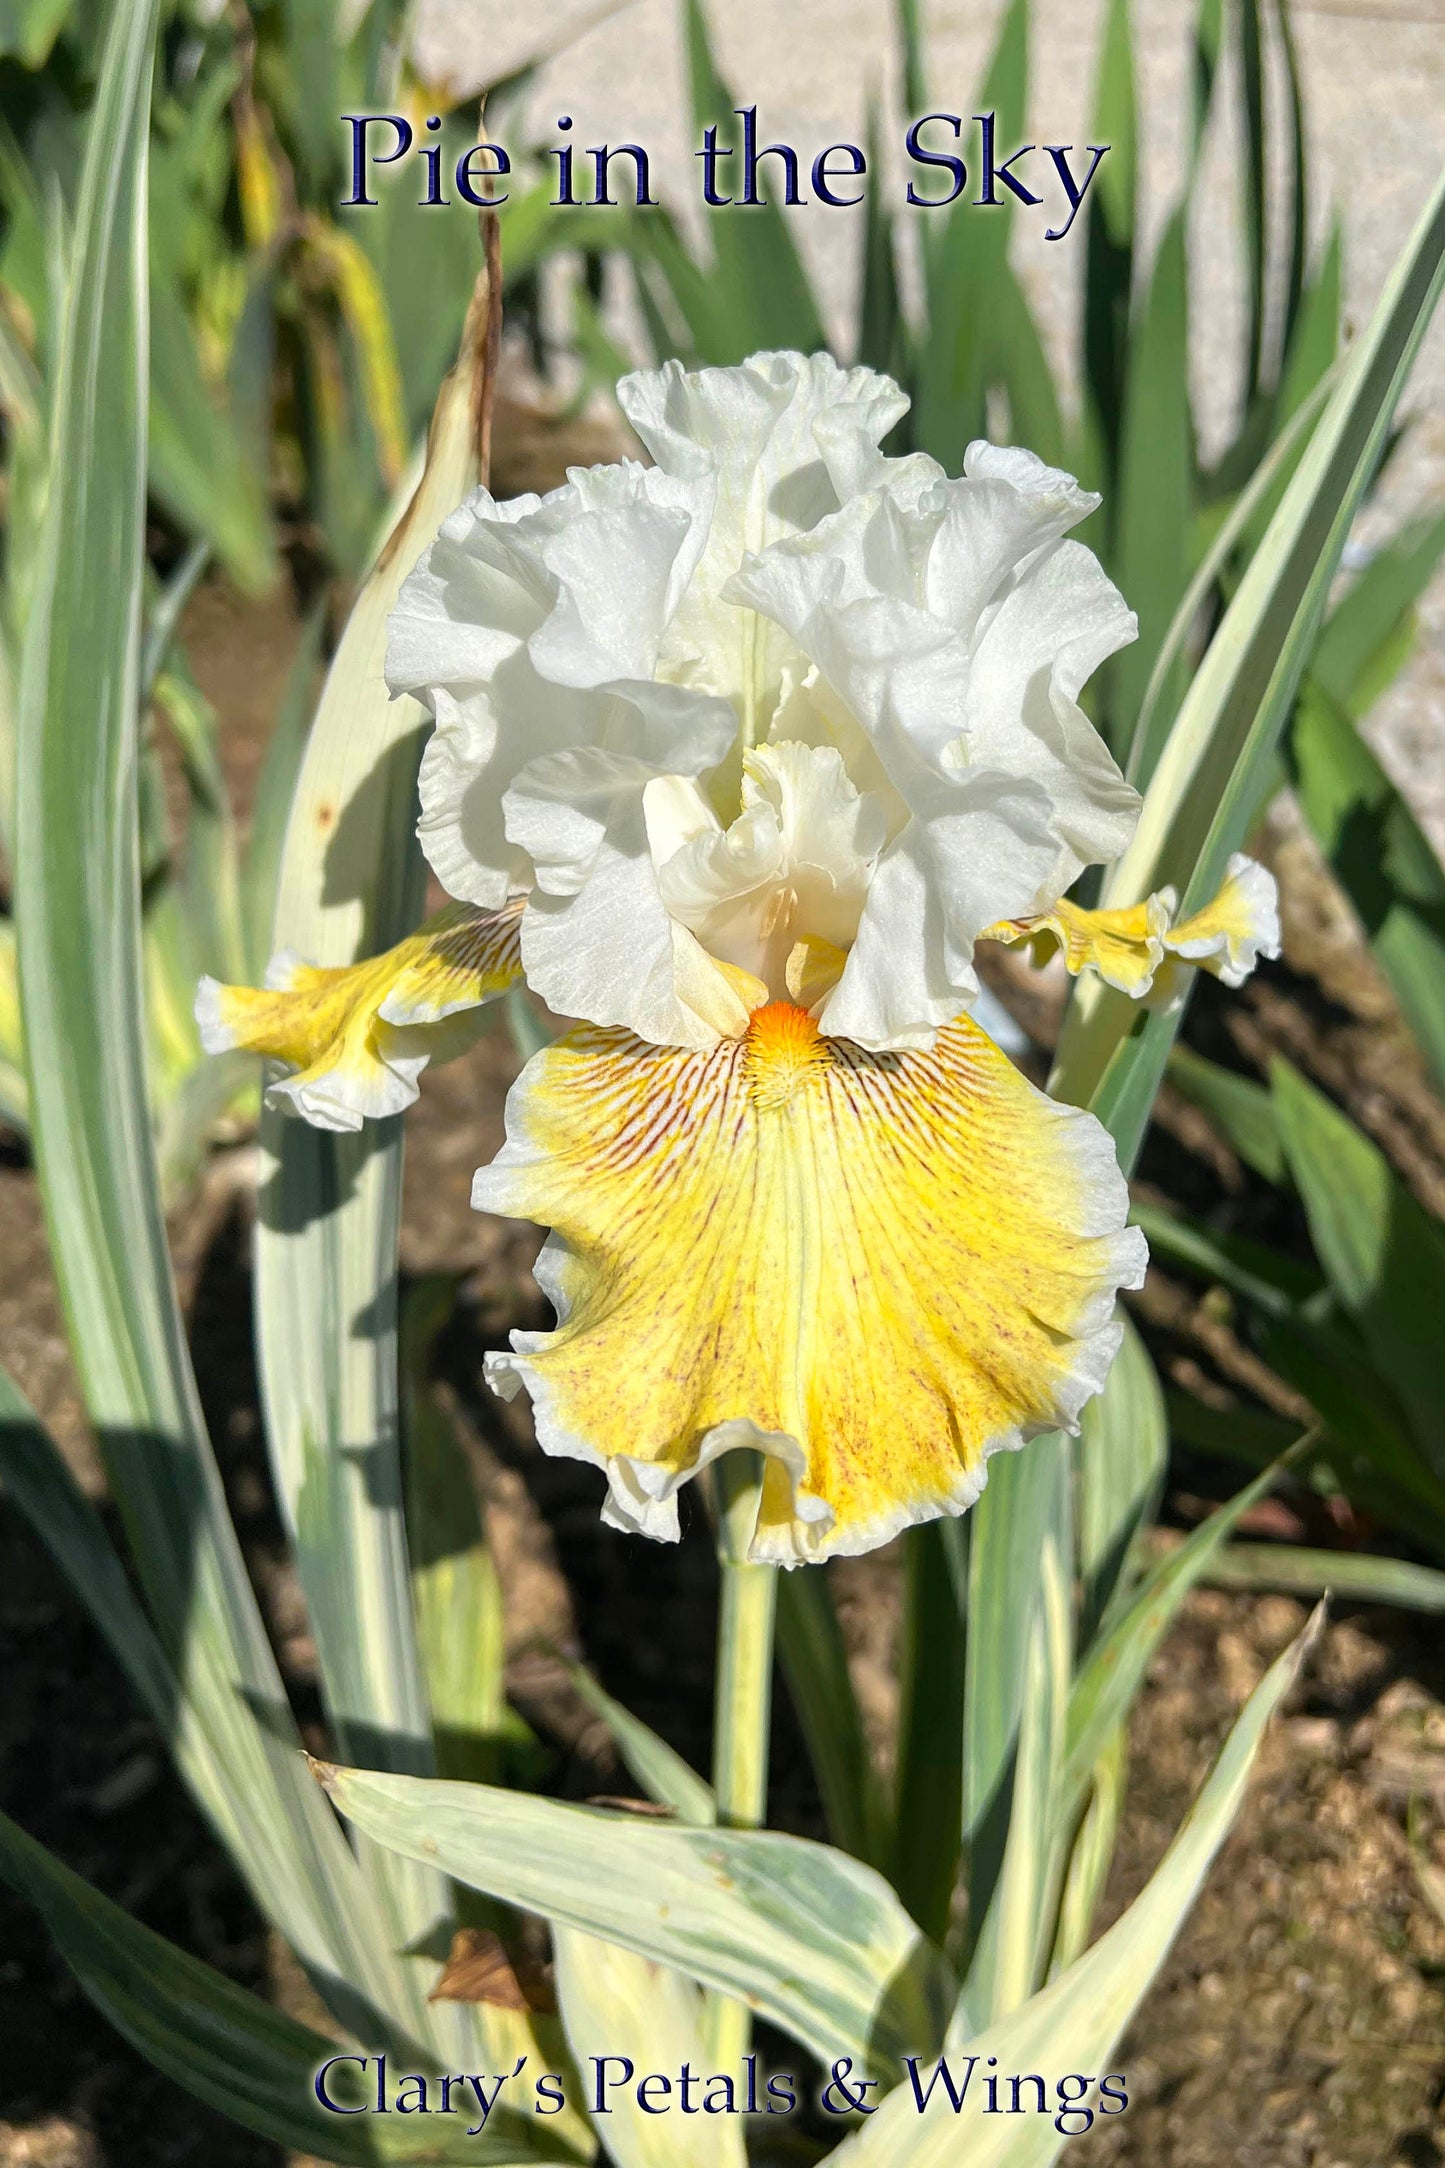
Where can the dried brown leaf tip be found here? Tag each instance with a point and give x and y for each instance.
(479, 1970)
(650, 1810)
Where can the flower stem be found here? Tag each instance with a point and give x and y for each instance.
(744, 1695)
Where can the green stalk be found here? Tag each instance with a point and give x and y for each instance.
(742, 1710)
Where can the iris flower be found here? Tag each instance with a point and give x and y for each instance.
(737, 756)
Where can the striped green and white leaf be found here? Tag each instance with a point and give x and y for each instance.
(1027, 1505)
(816, 1942)
(326, 1244)
(1076, 2023)
(240, 2055)
(1208, 785)
(620, 2009)
(1112, 1673)
(1122, 1455)
(77, 886)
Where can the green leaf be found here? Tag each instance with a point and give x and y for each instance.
(1076, 2023)
(813, 1940)
(1210, 779)
(815, 1667)
(275, 788)
(761, 293)
(881, 327)
(1365, 626)
(197, 467)
(1276, 1284)
(77, 891)
(1026, 1502)
(1109, 263)
(1299, 194)
(616, 2004)
(1154, 511)
(974, 304)
(928, 1819)
(1383, 1253)
(1248, 515)
(658, 1768)
(329, 1206)
(1381, 858)
(235, 2052)
(1241, 1108)
(1112, 1672)
(1091, 1854)
(36, 1480)
(29, 28)
(1314, 342)
(1122, 1455)
(1013, 1941)
(458, 1596)
(1251, 45)
(1354, 1576)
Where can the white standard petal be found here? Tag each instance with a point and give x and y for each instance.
(779, 441)
(597, 940)
(1060, 619)
(794, 866)
(513, 631)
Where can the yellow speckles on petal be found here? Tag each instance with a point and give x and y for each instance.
(1125, 947)
(877, 1268)
(357, 1037)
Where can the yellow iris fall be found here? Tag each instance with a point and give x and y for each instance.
(879, 1268)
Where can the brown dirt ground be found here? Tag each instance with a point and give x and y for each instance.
(1299, 2021)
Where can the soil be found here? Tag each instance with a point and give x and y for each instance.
(1299, 2021)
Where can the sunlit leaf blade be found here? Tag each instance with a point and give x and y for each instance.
(1366, 635)
(274, 790)
(1013, 1942)
(329, 1205)
(1027, 1500)
(455, 1585)
(816, 1942)
(1123, 1451)
(1076, 2023)
(1215, 767)
(1091, 1854)
(621, 2009)
(233, 2051)
(1350, 1576)
(1251, 509)
(1113, 1671)
(77, 894)
(1383, 1252)
(658, 1768)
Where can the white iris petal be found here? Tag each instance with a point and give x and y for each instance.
(776, 689)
